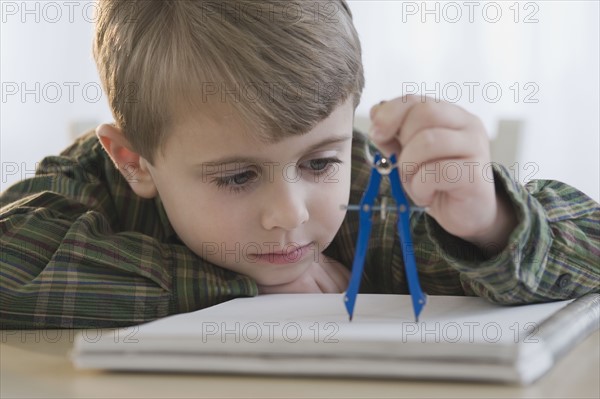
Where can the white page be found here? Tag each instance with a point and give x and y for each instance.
(304, 324)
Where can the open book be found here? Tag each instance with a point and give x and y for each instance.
(305, 334)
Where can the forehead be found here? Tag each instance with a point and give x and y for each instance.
(219, 131)
(213, 128)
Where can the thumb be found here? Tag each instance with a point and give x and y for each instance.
(386, 142)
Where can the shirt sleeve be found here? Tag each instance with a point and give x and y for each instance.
(552, 254)
(66, 262)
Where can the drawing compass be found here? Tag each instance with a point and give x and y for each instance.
(383, 166)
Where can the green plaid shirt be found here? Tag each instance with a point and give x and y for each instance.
(80, 249)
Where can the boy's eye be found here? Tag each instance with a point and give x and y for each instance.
(237, 182)
(321, 165)
(241, 178)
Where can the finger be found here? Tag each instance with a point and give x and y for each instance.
(425, 149)
(439, 143)
(338, 273)
(263, 289)
(389, 147)
(386, 148)
(374, 109)
(438, 178)
(430, 114)
(324, 279)
(312, 286)
(386, 119)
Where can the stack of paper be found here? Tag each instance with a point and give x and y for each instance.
(306, 334)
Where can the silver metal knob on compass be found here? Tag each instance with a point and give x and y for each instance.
(384, 166)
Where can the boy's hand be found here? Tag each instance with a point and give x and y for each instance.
(325, 276)
(443, 152)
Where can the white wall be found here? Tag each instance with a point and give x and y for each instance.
(45, 55)
(555, 60)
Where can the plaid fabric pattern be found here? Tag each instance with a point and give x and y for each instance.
(80, 249)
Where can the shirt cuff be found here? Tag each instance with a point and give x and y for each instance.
(514, 273)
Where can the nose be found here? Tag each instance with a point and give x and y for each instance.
(285, 206)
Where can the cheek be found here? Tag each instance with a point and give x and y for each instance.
(213, 232)
(329, 198)
(338, 185)
(209, 221)
(198, 216)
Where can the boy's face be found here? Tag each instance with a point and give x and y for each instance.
(264, 210)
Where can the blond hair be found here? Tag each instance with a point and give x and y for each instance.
(283, 66)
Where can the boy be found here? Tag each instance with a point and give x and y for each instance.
(224, 174)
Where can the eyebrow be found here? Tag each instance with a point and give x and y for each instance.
(244, 159)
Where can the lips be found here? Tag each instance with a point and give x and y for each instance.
(294, 255)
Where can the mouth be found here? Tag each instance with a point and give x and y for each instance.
(294, 255)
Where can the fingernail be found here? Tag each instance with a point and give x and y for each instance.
(374, 109)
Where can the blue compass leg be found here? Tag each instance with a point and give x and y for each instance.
(410, 265)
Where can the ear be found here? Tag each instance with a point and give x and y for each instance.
(132, 166)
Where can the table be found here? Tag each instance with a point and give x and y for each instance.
(35, 364)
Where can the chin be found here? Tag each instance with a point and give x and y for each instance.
(285, 274)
